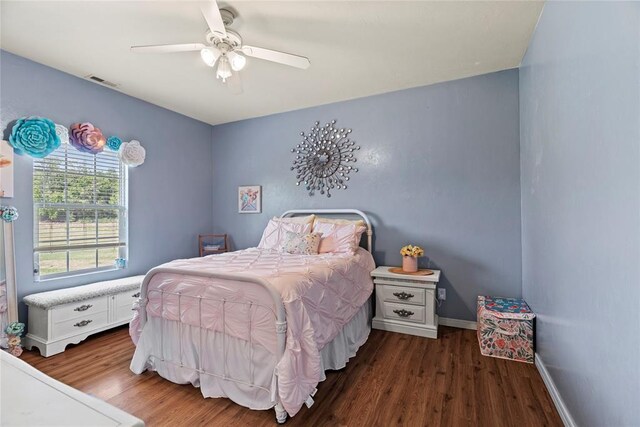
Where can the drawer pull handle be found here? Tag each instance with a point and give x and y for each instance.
(83, 307)
(82, 323)
(136, 295)
(403, 295)
(404, 313)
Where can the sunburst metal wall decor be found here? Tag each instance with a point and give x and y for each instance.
(322, 158)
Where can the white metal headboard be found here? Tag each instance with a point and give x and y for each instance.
(357, 212)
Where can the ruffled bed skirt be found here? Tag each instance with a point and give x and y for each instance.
(343, 347)
(251, 365)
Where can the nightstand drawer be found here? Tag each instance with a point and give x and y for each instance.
(404, 312)
(401, 294)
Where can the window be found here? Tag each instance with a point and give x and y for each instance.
(80, 212)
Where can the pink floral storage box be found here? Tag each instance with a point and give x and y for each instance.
(505, 328)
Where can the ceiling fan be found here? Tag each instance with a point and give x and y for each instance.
(224, 49)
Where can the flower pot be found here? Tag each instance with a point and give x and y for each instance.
(410, 264)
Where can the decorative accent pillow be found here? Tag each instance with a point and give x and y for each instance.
(301, 243)
(274, 233)
(338, 238)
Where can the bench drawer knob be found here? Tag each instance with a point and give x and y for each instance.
(82, 323)
(84, 307)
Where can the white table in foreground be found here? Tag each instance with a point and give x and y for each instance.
(406, 303)
(31, 398)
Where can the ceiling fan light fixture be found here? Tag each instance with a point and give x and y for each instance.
(237, 60)
(209, 56)
(224, 69)
(223, 49)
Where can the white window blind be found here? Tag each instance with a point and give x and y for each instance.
(80, 212)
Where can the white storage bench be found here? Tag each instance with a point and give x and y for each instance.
(68, 316)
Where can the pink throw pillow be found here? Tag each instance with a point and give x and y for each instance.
(338, 238)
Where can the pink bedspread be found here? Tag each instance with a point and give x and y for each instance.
(321, 293)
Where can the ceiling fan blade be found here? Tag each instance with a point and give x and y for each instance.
(168, 48)
(234, 84)
(276, 56)
(211, 13)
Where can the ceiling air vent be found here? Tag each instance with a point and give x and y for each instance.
(100, 80)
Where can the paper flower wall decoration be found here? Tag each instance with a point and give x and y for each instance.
(35, 136)
(12, 341)
(114, 143)
(63, 134)
(87, 138)
(132, 153)
(14, 328)
(8, 213)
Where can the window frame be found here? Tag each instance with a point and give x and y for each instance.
(123, 220)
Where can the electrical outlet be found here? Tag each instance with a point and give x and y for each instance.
(442, 294)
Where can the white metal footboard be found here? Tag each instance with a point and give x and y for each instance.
(277, 309)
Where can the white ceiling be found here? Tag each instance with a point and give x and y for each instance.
(356, 48)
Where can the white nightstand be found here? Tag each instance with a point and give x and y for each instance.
(406, 303)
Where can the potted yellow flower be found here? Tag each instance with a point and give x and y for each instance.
(410, 254)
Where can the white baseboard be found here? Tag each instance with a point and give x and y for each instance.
(565, 415)
(457, 323)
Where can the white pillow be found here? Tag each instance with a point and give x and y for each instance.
(298, 219)
(340, 221)
(338, 238)
(274, 232)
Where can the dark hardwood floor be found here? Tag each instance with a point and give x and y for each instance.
(395, 379)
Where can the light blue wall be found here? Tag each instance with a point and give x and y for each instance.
(439, 167)
(580, 154)
(170, 196)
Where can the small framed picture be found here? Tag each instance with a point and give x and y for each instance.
(250, 199)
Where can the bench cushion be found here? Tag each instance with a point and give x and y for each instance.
(50, 299)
